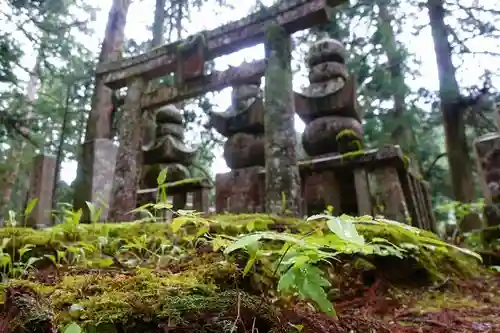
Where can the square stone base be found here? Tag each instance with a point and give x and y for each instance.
(240, 191)
(98, 174)
(354, 184)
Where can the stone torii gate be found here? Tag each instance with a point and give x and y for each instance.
(186, 59)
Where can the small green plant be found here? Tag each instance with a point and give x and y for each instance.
(73, 328)
(161, 205)
(461, 209)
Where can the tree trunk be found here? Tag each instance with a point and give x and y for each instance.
(400, 134)
(60, 146)
(129, 157)
(99, 123)
(283, 188)
(159, 23)
(17, 152)
(453, 118)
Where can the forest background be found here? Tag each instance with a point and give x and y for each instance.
(398, 51)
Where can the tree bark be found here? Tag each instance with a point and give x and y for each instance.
(283, 188)
(99, 123)
(159, 23)
(129, 157)
(400, 134)
(16, 152)
(453, 118)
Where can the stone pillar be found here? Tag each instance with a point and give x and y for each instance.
(129, 156)
(283, 188)
(102, 181)
(41, 188)
(97, 184)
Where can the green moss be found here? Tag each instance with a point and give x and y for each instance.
(352, 154)
(186, 181)
(279, 41)
(439, 261)
(177, 277)
(406, 162)
(349, 133)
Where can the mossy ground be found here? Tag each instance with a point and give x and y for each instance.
(153, 277)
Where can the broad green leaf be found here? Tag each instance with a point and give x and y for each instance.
(251, 225)
(5, 242)
(243, 242)
(51, 257)
(346, 230)
(186, 212)
(315, 275)
(253, 256)
(162, 177)
(310, 286)
(30, 206)
(298, 327)
(4, 259)
(95, 213)
(318, 295)
(143, 208)
(163, 194)
(219, 242)
(25, 249)
(287, 280)
(178, 223)
(162, 205)
(342, 226)
(31, 261)
(73, 328)
(203, 230)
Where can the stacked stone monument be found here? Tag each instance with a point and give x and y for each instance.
(163, 148)
(333, 126)
(243, 124)
(328, 104)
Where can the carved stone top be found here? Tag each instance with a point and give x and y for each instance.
(245, 115)
(169, 114)
(327, 68)
(163, 137)
(326, 50)
(169, 149)
(332, 90)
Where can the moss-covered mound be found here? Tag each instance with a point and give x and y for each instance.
(226, 273)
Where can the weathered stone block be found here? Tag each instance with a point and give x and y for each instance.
(105, 152)
(320, 190)
(41, 188)
(250, 120)
(342, 103)
(332, 134)
(391, 194)
(244, 150)
(240, 191)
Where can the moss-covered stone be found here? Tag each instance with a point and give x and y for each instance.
(134, 273)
